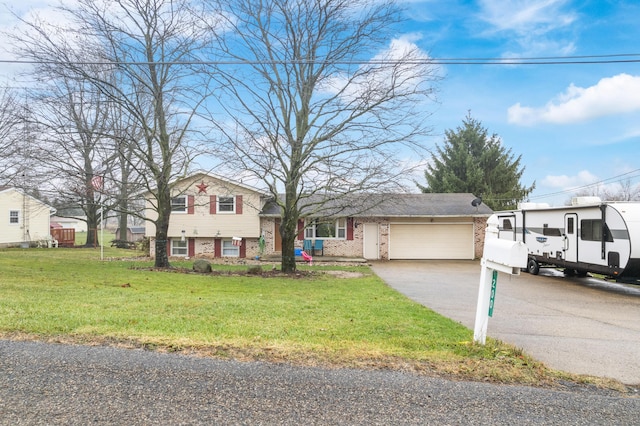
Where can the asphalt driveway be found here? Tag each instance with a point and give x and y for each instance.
(578, 325)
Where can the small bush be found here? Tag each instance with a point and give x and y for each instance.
(145, 244)
(254, 270)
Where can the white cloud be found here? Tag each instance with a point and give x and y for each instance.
(538, 27)
(526, 16)
(610, 96)
(564, 182)
(406, 75)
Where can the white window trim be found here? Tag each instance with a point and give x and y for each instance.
(230, 246)
(186, 206)
(17, 215)
(232, 197)
(310, 229)
(185, 248)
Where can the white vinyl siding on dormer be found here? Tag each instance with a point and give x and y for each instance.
(208, 214)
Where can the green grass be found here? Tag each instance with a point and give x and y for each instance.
(69, 295)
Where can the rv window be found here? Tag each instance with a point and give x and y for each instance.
(552, 232)
(506, 225)
(591, 230)
(570, 225)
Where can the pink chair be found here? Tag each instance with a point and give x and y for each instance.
(306, 257)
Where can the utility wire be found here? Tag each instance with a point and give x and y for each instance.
(614, 178)
(542, 60)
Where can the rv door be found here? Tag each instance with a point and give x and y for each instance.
(571, 237)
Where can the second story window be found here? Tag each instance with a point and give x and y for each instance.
(226, 204)
(14, 217)
(179, 204)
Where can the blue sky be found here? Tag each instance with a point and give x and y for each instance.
(573, 124)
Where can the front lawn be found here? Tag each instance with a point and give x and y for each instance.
(313, 318)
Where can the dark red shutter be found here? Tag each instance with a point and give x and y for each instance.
(217, 247)
(212, 204)
(300, 229)
(238, 204)
(192, 247)
(350, 228)
(243, 249)
(190, 204)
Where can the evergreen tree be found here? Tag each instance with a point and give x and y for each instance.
(472, 161)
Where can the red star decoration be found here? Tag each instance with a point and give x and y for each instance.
(202, 188)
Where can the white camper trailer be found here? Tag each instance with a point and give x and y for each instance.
(588, 236)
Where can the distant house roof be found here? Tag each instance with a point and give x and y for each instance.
(389, 205)
(134, 229)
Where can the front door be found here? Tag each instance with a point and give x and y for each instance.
(371, 248)
(571, 237)
(277, 238)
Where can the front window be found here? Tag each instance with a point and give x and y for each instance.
(226, 204)
(326, 229)
(179, 204)
(179, 248)
(591, 230)
(229, 249)
(14, 217)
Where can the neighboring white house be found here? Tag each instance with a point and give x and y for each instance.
(217, 217)
(77, 223)
(23, 218)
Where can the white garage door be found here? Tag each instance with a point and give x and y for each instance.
(431, 241)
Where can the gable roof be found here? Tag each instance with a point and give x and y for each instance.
(393, 205)
(215, 176)
(52, 210)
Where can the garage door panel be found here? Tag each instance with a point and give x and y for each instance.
(431, 241)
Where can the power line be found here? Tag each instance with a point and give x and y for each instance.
(566, 191)
(542, 60)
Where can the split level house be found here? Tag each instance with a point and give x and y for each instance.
(23, 218)
(216, 217)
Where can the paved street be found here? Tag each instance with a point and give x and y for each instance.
(583, 326)
(578, 325)
(45, 384)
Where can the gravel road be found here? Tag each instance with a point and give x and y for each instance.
(59, 384)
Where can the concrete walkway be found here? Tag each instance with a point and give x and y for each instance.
(578, 325)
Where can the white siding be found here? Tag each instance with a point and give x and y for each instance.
(33, 218)
(202, 223)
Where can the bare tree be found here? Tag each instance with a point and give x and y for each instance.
(142, 56)
(71, 117)
(126, 135)
(626, 191)
(312, 115)
(13, 143)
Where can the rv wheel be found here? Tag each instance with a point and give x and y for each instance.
(533, 267)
